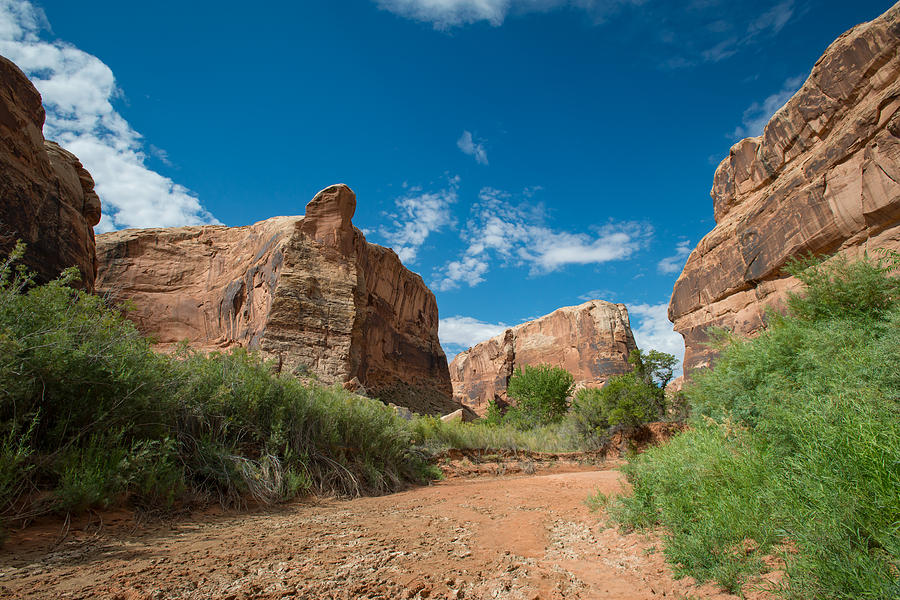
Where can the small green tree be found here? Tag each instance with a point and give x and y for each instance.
(494, 415)
(541, 393)
(629, 399)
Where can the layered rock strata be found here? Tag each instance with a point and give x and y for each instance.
(307, 291)
(822, 179)
(47, 198)
(592, 341)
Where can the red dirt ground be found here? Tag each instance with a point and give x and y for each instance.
(473, 535)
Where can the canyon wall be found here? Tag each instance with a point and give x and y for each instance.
(592, 341)
(307, 291)
(822, 179)
(47, 198)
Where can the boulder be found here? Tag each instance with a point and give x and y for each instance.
(822, 179)
(309, 292)
(592, 341)
(48, 198)
(456, 415)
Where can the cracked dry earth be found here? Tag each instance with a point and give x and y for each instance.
(522, 537)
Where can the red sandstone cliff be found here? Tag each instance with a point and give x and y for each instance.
(47, 198)
(823, 178)
(592, 341)
(308, 291)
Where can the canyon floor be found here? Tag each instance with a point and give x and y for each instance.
(480, 533)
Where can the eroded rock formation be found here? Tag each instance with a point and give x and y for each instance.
(308, 291)
(47, 198)
(823, 178)
(592, 341)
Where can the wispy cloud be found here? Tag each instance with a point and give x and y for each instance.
(713, 31)
(599, 294)
(674, 263)
(447, 14)
(653, 330)
(773, 20)
(758, 114)
(78, 91)
(458, 333)
(419, 214)
(514, 234)
(469, 146)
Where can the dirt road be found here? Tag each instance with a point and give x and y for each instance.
(521, 537)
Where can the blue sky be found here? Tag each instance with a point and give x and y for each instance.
(521, 155)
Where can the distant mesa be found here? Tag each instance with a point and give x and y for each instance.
(592, 341)
(307, 291)
(823, 178)
(47, 198)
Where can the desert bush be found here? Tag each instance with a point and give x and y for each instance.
(794, 447)
(90, 414)
(626, 400)
(541, 393)
(435, 436)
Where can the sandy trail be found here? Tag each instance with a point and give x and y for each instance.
(491, 537)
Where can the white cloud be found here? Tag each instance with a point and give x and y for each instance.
(598, 294)
(78, 90)
(552, 250)
(758, 114)
(773, 19)
(446, 14)
(674, 263)
(465, 332)
(468, 145)
(418, 215)
(468, 269)
(654, 330)
(515, 235)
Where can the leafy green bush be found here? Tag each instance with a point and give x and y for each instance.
(541, 393)
(90, 413)
(794, 447)
(626, 400)
(436, 436)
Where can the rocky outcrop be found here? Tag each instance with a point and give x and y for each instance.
(823, 178)
(307, 291)
(592, 341)
(47, 198)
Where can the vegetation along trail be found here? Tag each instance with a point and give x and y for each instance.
(486, 537)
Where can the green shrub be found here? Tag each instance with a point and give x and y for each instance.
(541, 394)
(794, 447)
(589, 417)
(91, 414)
(626, 400)
(436, 436)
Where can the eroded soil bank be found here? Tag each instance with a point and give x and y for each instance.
(520, 536)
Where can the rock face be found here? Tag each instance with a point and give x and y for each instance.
(47, 198)
(823, 178)
(309, 292)
(592, 341)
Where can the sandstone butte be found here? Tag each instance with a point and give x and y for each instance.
(307, 291)
(592, 341)
(47, 198)
(822, 179)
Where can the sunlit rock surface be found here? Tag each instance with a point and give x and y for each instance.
(823, 178)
